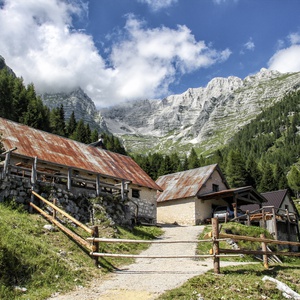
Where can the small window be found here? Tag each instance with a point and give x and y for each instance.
(215, 188)
(135, 193)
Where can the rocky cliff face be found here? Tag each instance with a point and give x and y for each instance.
(205, 118)
(79, 102)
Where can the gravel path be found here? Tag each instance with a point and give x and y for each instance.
(146, 279)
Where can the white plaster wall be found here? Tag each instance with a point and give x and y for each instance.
(285, 202)
(181, 211)
(203, 209)
(214, 179)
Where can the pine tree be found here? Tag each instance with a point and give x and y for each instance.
(193, 160)
(293, 178)
(71, 124)
(80, 133)
(267, 183)
(236, 173)
(57, 121)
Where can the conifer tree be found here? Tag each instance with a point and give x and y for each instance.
(71, 124)
(267, 183)
(57, 121)
(235, 171)
(293, 178)
(193, 160)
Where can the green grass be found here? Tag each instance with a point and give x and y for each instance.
(46, 262)
(238, 282)
(236, 229)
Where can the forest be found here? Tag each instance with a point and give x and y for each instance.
(21, 104)
(264, 153)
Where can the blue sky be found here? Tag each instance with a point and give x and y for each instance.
(119, 50)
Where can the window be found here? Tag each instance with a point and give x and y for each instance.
(215, 187)
(135, 193)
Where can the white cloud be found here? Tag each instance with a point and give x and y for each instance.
(224, 1)
(294, 38)
(287, 59)
(249, 45)
(148, 60)
(158, 4)
(40, 44)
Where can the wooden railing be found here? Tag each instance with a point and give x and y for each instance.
(215, 253)
(90, 246)
(49, 175)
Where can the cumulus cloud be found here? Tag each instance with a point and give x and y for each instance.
(148, 60)
(40, 44)
(287, 59)
(156, 5)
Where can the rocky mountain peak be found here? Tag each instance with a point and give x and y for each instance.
(204, 117)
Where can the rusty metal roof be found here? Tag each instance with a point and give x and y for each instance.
(244, 195)
(55, 149)
(184, 184)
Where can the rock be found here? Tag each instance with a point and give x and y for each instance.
(49, 227)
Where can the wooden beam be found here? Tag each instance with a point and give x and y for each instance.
(87, 229)
(69, 232)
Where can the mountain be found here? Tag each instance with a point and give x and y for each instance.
(3, 65)
(203, 118)
(79, 102)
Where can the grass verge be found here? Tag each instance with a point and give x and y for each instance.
(35, 262)
(239, 282)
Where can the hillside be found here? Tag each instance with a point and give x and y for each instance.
(203, 118)
(37, 262)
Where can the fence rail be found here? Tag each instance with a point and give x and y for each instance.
(214, 237)
(89, 245)
(215, 253)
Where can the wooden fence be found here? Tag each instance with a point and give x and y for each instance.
(216, 252)
(214, 237)
(77, 238)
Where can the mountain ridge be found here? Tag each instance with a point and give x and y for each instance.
(204, 118)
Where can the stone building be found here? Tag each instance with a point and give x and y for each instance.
(75, 169)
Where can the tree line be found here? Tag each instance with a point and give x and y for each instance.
(21, 104)
(263, 154)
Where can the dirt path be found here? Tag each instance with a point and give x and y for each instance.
(148, 278)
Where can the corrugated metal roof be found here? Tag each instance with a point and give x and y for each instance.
(183, 184)
(274, 198)
(245, 194)
(56, 149)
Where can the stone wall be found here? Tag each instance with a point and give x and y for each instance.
(142, 211)
(82, 204)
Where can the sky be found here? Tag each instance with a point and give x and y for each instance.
(120, 50)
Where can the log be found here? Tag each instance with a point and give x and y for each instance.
(258, 252)
(147, 256)
(287, 291)
(253, 239)
(73, 235)
(87, 229)
(107, 240)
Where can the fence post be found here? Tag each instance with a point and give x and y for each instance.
(96, 245)
(248, 218)
(215, 236)
(264, 248)
(275, 223)
(263, 216)
(54, 210)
